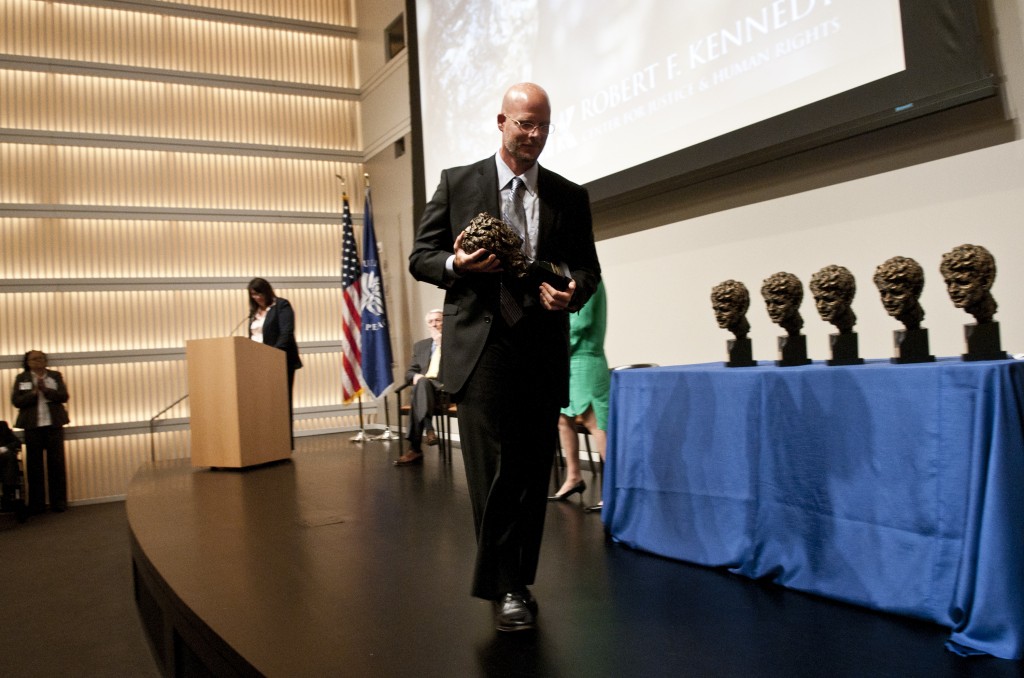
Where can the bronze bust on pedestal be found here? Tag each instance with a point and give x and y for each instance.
(969, 271)
(900, 281)
(783, 293)
(730, 301)
(833, 289)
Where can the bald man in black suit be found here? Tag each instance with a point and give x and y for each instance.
(509, 373)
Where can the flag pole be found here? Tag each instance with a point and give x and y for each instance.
(386, 434)
(350, 383)
(374, 311)
(361, 436)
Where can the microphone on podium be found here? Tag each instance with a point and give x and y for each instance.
(232, 332)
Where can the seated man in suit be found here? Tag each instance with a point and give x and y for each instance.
(9, 446)
(422, 374)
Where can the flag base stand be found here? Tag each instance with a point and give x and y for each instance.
(386, 434)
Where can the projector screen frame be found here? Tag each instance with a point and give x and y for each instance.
(795, 132)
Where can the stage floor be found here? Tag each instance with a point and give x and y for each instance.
(336, 563)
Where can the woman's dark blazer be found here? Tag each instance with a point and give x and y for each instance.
(279, 331)
(26, 401)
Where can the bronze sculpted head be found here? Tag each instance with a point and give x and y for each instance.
(498, 238)
(900, 281)
(783, 293)
(833, 288)
(730, 301)
(969, 271)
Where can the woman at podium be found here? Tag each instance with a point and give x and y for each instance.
(272, 322)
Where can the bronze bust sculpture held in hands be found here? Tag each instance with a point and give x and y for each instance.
(494, 235)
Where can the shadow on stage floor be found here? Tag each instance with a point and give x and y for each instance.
(336, 563)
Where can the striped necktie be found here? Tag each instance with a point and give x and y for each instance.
(514, 215)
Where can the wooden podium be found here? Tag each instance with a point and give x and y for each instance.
(238, 393)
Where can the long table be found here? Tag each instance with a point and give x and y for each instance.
(894, 487)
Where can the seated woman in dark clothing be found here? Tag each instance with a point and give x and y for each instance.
(9, 446)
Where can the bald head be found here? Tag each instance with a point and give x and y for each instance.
(524, 92)
(523, 103)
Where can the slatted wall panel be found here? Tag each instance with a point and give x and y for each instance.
(236, 210)
(77, 322)
(92, 105)
(317, 383)
(125, 248)
(71, 175)
(110, 394)
(142, 40)
(347, 422)
(101, 468)
(335, 12)
(116, 393)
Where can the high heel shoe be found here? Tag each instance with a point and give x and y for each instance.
(578, 487)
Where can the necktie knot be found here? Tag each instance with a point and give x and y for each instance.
(517, 188)
(515, 212)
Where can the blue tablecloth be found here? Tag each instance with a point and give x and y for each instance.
(895, 487)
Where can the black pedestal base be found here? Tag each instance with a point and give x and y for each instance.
(740, 354)
(845, 349)
(983, 342)
(793, 350)
(911, 346)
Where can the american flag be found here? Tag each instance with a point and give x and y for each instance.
(351, 310)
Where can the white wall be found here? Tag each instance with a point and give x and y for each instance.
(659, 281)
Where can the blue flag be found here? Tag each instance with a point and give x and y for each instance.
(376, 335)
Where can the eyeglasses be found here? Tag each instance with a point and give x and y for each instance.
(529, 127)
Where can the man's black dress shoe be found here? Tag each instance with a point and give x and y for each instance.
(578, 487)
(515, 612)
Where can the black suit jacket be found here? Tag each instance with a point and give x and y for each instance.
(421, 351)
(471, 302)
(279, 331)
(26, 400)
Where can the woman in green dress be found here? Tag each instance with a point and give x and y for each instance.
(589, 386)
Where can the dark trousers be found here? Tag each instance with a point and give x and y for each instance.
(421, 408)
(49, 439)
(508, 426)
(9, 472)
